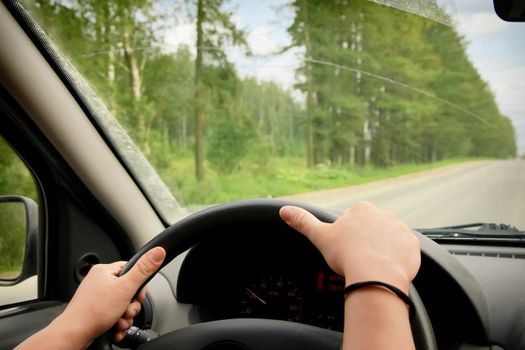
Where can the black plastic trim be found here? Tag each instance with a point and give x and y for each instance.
(55, 60)
(435, 260)
(254, 334)
(54, 178)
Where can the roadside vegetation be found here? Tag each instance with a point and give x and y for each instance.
(15, 179)
(378, 93)
(379, 88)
(288, 177)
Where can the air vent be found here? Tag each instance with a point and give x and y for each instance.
(491, 254)
(84, 264)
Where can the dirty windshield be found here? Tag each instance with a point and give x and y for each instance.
(415, 106)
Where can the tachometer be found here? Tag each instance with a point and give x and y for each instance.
(273, 297)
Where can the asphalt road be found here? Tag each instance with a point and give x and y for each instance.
(484, 191)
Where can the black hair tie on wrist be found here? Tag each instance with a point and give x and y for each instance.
(411, 308)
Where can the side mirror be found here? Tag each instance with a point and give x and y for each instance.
(18, 214)
(510, 10)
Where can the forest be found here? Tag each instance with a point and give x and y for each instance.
(381, 88)
(382, 92)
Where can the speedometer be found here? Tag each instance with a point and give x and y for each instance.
(272, 297)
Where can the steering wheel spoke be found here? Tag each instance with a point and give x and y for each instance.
(244, 334)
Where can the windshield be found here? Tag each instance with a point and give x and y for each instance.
(415, 106)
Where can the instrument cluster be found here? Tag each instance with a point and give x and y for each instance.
(272, 275)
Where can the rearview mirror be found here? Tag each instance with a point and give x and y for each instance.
(18, 239)
(510, 10)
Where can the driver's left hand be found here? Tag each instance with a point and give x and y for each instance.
(102, 300)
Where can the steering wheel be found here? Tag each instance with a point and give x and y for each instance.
(253, 334)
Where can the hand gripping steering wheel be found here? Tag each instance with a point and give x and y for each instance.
(252, 334)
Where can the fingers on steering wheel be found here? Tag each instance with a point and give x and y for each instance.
(123, 324)
(132, 310)
(141, 295)
(119, 335)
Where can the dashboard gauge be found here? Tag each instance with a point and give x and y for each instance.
(272, 297)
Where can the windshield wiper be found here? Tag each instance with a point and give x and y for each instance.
(487, 231)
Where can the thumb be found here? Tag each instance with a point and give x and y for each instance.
(146, 266)
(302, 221)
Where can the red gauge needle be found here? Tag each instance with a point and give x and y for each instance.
(256, 296)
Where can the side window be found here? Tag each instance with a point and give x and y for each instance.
(18, 229)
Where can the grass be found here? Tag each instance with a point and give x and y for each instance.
(274, 178)
(9, 273)
(278, 177)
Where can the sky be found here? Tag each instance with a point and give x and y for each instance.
(265, 22)
(496, 48)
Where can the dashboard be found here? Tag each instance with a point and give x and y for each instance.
(253, 269)
(473, 293)
(264, 274)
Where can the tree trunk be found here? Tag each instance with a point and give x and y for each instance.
(133, 67)
(310, 157)
(111, 80)
(351, 156)
(199, 98)
(111, 72)
(135, 81)
(184, 135)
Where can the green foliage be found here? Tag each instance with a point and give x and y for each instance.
(12, 237)
(227, 145)
(402, 91)
(15, 179)
(287, 176)
(377, 96)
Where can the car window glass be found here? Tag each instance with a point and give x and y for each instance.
(282, 98)
(12, 239)
(17, 188)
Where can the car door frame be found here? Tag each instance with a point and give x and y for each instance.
(74, 221)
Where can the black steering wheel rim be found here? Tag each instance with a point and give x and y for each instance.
(189, 231)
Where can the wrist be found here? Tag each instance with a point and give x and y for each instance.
(390, 276)
(352, 288)
(376, 319)
(69, 330)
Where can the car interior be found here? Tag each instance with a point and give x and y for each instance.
(93, 208)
